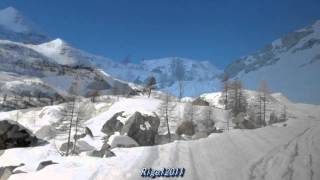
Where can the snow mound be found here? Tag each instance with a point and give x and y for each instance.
(117, 140)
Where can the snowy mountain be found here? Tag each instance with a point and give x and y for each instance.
(290, 65)
(15, 27)
(38, 71)
(200, 76)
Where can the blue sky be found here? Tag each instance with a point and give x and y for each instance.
(215, 30)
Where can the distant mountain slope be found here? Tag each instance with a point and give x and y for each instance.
(290, 65)
(26, 72)
(16, 27)
(200, 76)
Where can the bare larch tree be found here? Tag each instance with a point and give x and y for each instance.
(167, 108)
(225, 89)
(263, 97)
(150, 84)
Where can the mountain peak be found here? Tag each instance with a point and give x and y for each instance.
(11, 19)
(15, 27)
(57, 43)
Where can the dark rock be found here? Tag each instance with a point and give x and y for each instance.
(207, 126)
(142, 128)
(246, 124)
(88, 132)
(109, 153)
(96, 153)
(186, 128)
(200, 102)
(43, 164)
(113, 124)
(7, 171)
(15, 135)
(18, 172)
(103, 152)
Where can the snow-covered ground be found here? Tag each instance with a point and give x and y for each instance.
(275, 152)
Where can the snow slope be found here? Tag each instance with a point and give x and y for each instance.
(272, 153)
(290, 65)
(47, 69)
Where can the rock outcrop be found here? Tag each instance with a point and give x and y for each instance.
(14, 135)
(142, 128)
(113, 124)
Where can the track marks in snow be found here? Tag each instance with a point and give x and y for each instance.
(310, 166)
(287, 162)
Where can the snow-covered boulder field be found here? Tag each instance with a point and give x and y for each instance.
(279, 151)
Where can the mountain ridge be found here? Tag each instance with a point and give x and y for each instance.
(286, 64)
(16, 27)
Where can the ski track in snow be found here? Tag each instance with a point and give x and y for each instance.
(291, 159)
(286, 156)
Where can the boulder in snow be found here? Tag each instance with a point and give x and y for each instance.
(87, 132)
(113, 124)
(15, 135)
(142, 128)
(200, 102)
(6, 172)
(43, 164)
(103, 152)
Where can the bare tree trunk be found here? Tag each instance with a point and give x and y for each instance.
(149, 92)
(75, 135)
(191, 112)
(226, 98)
(168, 128)
(70, 127)
(260, 111)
